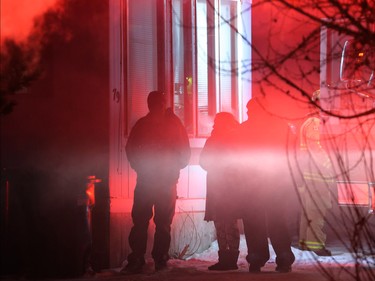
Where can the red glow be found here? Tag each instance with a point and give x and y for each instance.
(16, 17)
(90, 189)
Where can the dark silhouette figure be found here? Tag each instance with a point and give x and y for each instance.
(262, 172)
(219, 202)
(157, 148)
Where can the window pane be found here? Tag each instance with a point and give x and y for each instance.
(142, 57)
(178, 60)
(227, 52)
(183, 54)
(204, 120)
(205, 78)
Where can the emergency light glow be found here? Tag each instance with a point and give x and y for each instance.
(16, 17)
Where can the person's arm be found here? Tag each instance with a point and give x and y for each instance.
(133, 145)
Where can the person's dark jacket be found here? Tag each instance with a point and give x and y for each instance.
(158, 147)
(221, 187)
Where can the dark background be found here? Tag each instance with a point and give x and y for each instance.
(56, 136)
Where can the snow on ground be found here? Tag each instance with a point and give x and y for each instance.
(339, 257)
(307, 267)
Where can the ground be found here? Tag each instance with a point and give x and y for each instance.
(307, 267)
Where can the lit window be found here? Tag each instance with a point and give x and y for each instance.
(206, 58)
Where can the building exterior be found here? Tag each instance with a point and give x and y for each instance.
(196, 52)
(73, 122)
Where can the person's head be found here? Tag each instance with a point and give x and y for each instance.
(256, 106)
(156, 101)
(224, 121)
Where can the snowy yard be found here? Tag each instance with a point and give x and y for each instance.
(307, 267)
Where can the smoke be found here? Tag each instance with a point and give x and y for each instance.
(22, 38)
(17, 17)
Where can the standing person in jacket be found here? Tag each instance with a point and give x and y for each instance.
(315, 192)
(219, 203)
(157, 149)
(263, 173)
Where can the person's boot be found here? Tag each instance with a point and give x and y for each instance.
(227, 260)
(323, 252)
(134, 265)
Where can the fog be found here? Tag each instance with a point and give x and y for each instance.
(57, 134)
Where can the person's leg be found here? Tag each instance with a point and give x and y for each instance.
(304, 221)
(164, 212)
(221, 235)
(280, 237)
(256, 240)
(303, 227)
(231, 234)
(222, 245)
(141, 215)
(228, 238)
(316, 236)
(233, 242)
(317, 203)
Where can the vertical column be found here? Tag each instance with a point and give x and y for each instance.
(244, 56)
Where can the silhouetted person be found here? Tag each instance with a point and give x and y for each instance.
(220, 183)
(157, 148)
(315, 191)
(263, 175)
